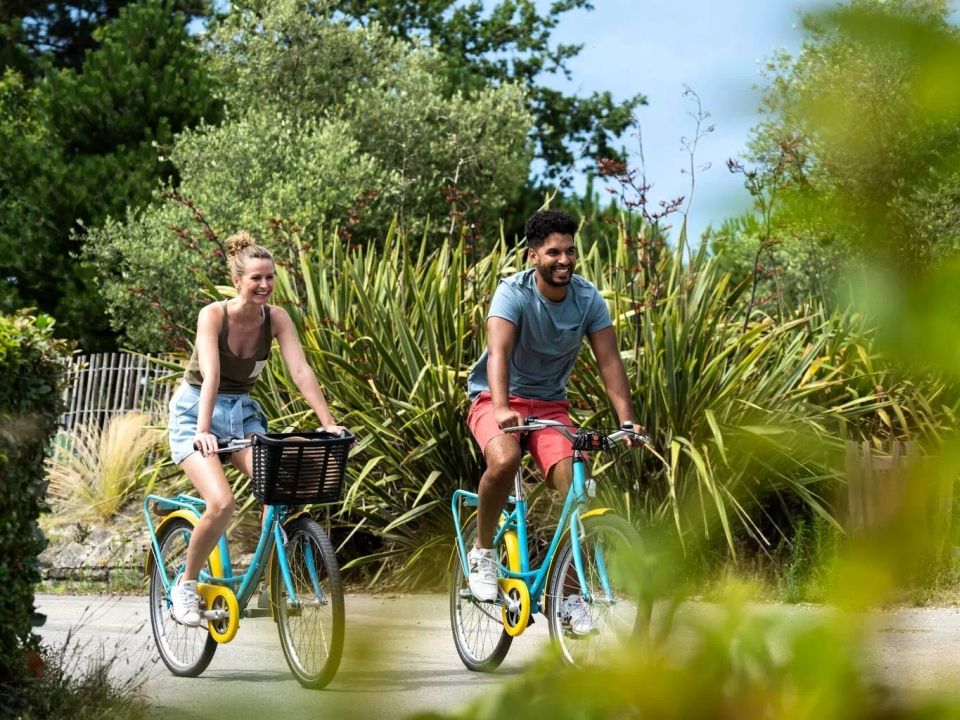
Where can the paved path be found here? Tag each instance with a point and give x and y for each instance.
(399, 658)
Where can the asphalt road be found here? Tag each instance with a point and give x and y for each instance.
(400, 659)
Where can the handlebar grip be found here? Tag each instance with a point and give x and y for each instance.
(221, 443)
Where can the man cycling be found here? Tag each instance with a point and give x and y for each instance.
(536, 325)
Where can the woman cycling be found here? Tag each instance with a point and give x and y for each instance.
(233, 342)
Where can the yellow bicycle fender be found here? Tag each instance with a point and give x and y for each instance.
(218, 597)
(515, 590)
(216, 562)
(513, 550)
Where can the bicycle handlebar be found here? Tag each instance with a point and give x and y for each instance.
(232, 444)
(532, 423)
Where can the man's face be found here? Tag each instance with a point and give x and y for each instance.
(555, 260)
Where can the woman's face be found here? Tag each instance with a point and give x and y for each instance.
(256, 283)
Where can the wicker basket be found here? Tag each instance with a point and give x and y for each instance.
(299, 468)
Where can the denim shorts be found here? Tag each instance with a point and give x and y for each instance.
(234, 415)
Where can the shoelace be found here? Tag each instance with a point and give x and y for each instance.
(191, 601)
(576, 609)
(488, 568)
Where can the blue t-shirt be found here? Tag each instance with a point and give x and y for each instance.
(549, 335)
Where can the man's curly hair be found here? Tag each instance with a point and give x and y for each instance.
(544, 223)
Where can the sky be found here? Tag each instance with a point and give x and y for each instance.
(655, 47)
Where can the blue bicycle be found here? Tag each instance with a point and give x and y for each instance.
(588, 584)
(305, 590)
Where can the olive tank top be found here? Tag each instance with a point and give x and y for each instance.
(237, 374)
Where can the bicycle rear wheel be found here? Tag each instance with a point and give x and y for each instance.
(482, 641)
(610, 549)
(311, 624)
(186, 651)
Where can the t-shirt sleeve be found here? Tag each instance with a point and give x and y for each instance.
(505, 304)
(598, 316)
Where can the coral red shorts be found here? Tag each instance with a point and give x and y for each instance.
(547, 447)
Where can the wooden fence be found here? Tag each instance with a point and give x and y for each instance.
(878, 487)
(102, 385)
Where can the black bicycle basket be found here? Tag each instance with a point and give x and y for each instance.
(299, 468)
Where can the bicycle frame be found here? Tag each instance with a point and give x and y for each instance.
(243, 585)
(515, 521)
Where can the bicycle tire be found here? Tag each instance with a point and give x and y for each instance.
(311, 633)
(186, 651)
(481, 640)
(617, 616)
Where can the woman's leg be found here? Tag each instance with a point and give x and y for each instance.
(242, 460)
(207, 476)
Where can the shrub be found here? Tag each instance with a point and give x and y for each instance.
(93, 470)
(30, 402)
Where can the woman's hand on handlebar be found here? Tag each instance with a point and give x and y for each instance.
(334, 429)
(206, 443)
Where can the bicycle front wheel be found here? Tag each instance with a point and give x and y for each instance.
(311, 622)
(186, 651)
(482, 641)
(587, 626)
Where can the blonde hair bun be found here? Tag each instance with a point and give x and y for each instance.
(242, 247)
(239, 241)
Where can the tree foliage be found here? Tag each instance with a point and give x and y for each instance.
(325, 124)
(865, 121)
(59, 33)
(480, 43)
(81, 145)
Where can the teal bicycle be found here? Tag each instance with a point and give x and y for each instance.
(306, 594)
(588, 584)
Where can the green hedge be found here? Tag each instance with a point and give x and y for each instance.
(30, 403)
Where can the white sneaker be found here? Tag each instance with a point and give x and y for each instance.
(575, 614)
(483, 574)
(186, 603)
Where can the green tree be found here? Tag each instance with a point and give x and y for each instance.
(60, 32)
(82, 146)
(326, 125)
(480, 43)
(871, 160)
(31, 169)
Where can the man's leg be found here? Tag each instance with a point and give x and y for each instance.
(503, 460)
(560, 476)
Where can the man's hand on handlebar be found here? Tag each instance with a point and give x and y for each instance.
(507, 417)
(635, 428)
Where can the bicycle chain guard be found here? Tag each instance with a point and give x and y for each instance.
(218, 597)
(515, 620)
